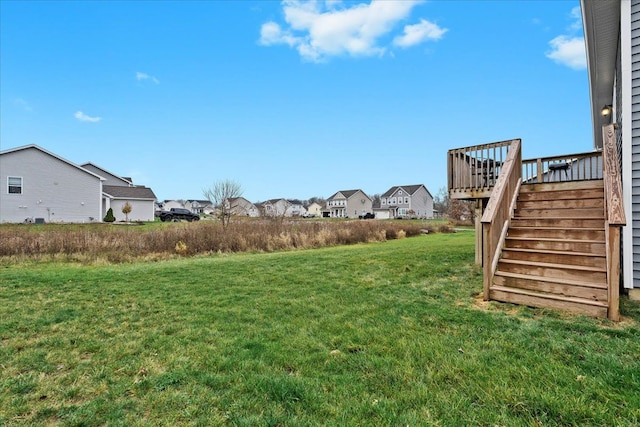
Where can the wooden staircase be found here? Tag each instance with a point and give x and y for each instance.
(554, 254)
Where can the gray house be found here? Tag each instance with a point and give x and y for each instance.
(349, 204)
(37, 185)
(611, 31)
(406, 201)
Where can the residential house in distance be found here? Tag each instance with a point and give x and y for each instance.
(117, 191)
(349, 204)
(406, 201)
(295, 209)
(37, 185)
(314, 210)
(274, 207)
(199, 206)
(239, 206)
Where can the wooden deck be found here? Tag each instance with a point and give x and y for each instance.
(549, 235)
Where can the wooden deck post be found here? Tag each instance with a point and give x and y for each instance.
(478, 215)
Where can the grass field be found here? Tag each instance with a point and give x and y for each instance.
(378, 334)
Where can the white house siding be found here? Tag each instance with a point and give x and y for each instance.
(53, 189)
(141, 210)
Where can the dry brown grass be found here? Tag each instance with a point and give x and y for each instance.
(109, 243)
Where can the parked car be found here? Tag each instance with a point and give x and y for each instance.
(175, 214)
(368, 215)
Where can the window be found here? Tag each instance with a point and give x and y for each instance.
(393, 200)
(14, 184)
(384, 201)
(406, 200)
(399, 192)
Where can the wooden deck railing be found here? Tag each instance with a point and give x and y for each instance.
(614, 217)
(473, 171)
(570, 167)
(497, 215)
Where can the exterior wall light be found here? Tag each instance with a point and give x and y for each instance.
(606, 110)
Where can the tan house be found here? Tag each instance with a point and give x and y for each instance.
(349, 204)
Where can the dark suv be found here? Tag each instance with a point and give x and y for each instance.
(178, 214)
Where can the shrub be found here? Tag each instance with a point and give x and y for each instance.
(109, 216)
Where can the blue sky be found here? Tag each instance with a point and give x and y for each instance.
(290, 99)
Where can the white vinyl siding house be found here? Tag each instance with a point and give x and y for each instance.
(39, 185)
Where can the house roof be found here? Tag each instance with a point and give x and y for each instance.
(126, 181)
(410, 189)
(121, 192)
(347, 193)
(49, 153)
(601, 22)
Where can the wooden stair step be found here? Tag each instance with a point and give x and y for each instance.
(557, 222)
(562, 186)
(581, 203)
(597, 213)
(585, 233)
(554, 271)
(568, 245)
(553, 286)
(564, 257)
(535, 299)
(591, 193)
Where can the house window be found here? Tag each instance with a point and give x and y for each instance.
(399, 192)
(14, 184)
(393, 200)
(384, 201)
(406, 200)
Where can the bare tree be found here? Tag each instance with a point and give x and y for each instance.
(222, 196)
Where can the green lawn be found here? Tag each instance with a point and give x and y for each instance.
(382, 334)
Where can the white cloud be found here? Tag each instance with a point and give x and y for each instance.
(84, 118)
(144, 76)
(318, 30)
(569, 49)
(418, 33)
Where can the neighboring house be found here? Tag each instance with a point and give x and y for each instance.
(117, 191)
(199, 206)
(611, 29)
(379, 211)
(239, 206)
(167, 205)
(314, 209)
(37, 185)
(349, 204)
(274, 207)
(296, 208)
(407, 201)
